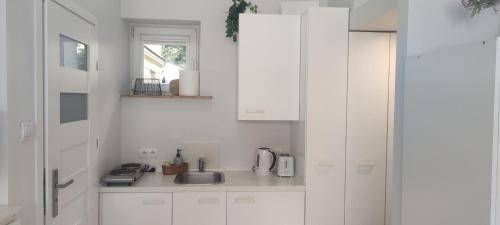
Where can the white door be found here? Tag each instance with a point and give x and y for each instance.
(70, 60)
(367, 128)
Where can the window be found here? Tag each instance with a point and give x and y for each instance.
(161, 52)
(73, 54)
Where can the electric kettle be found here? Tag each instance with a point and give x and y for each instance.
(264, 161)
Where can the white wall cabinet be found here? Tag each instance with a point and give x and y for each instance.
(368, 110)
(136, 208)
(265, 208)
(207, 208)
(268, 67)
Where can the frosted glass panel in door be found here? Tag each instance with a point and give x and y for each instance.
(73, 107)
(73, 54)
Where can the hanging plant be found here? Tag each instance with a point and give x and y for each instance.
(232, 20)
(479, 5)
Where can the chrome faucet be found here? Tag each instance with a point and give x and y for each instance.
(202, 164)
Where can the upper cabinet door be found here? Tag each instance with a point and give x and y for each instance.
(269, 64)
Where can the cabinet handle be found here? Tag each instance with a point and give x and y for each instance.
(153, 202)
(255, 111)
(367, 164)
(208, 201)
(244, 200)
(323, 164)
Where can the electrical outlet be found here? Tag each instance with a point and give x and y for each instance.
(144, 153)
(153, 153)
(148, 153)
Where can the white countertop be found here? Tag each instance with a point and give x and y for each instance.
(235, 181)
(8, 214)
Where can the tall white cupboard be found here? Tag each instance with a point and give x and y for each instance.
(340, 102)
(324, 67)
(347, 85)
(369, 120)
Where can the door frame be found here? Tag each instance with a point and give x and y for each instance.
(495, 173)
(3, 104)
(41, 93)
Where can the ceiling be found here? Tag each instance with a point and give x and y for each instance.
(370, 15)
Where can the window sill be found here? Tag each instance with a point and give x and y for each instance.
(168, 97)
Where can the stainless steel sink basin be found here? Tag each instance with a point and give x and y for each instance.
(200, 178)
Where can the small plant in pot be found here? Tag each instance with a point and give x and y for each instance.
(479, 5)
(232, 20)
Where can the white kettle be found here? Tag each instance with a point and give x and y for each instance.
(264, 161)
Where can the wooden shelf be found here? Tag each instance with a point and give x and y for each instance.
(167, 97)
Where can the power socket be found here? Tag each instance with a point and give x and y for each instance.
(148, 153)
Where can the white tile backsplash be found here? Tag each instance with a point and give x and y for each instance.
(192, 151)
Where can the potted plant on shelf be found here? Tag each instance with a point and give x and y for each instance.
(479, 5)
(232, 20)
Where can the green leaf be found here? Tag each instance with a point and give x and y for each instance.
(232, 19)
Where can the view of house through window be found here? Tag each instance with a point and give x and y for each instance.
(164, 61)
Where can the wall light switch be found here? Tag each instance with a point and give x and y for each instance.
(27, 131)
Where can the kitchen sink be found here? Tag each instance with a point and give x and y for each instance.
(200, 178)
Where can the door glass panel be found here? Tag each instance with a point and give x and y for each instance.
(73, 54)
(73, 107)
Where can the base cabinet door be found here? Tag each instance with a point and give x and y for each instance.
(265, 208)
(199, 208)
(136, 209)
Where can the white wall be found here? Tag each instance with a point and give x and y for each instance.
(211, 124)
(3, 108)
(21, 104)
(374, 15)
(437, 24)
(114, 73)
(446, 117)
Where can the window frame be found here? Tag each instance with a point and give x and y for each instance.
(162, 34)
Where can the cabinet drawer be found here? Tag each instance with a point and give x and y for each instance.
(265, 208)
(136, 208)
(207, 208)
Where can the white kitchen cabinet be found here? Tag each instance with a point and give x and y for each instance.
(207, 208)
(268, 67)
(265, 208)
(367, 127)
(325, 61)
(136, 209)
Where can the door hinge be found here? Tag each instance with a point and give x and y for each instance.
(97, 143)
(97, 65)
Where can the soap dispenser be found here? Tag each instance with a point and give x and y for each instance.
(178, 158)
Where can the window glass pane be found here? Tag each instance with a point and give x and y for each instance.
(73, 54)
(164, 61)
(73, 107)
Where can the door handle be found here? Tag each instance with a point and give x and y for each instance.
(55, 191)
(65, 185)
